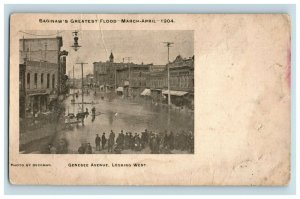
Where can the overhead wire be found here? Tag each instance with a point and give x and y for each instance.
(41, 35)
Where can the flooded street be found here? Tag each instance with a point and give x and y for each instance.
(121, 114)
(118, 114)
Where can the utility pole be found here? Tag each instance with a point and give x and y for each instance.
(73, 99)
(168, 45)
(115, 77)
(73, 78)
(82, 94)
(129, 75)
(45, 53)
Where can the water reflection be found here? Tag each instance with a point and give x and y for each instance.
(122, 114)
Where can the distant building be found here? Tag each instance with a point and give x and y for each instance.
(126, 78)
(104, 74)
(181, 82)
(157, 68)
(89, 80)
(130, 79)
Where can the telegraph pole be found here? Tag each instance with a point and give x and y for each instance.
(73, 100)
(129, 76)
(73, 78)
(168, 45)
(82, 94)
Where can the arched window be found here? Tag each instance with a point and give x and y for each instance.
(28, 80)
(35, 79)
(184, 81)
(48, 80)
(53, 81)
(42, 80)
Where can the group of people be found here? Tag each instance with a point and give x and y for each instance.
(163, 142)
(58, 147)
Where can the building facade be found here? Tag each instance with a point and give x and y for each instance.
(130, 79)
(42, 74)
(104, 74)
(182, 74)
(127, 78)
(38, 87)
(181, 82)
(46, 50)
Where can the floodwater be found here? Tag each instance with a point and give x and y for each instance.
(120, 114)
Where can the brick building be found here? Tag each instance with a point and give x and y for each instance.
(104, 74)
(181, 82)
(40, 86)
(46, 50)
(126, 78)
(42, 74)
(130, 79)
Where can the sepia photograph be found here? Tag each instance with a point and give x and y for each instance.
(149, 99)
(106, 92)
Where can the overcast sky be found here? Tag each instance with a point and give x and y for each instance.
(141, 46)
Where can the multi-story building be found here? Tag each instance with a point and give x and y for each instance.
(181, 82)
(182, 74)
(89, 80)
(42, 74)
(126, 78)
(22, 90)
(132, 78)
(47, 50)
(104, 74)
(38, 86)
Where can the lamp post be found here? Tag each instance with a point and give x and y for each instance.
(82, 100)
(76, 47)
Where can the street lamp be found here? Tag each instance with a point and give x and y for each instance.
(75, 46)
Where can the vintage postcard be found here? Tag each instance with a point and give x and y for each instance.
(144, 99)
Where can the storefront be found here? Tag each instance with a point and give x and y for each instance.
(120, 90)
(177, 97)
(37, 103)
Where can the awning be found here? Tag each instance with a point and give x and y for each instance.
(109, 86)
(146, 92)
(35, 94)
(119, 89)
(126, 83)
(156, 89)
(176, 93)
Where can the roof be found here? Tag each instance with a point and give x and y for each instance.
(176, 93)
